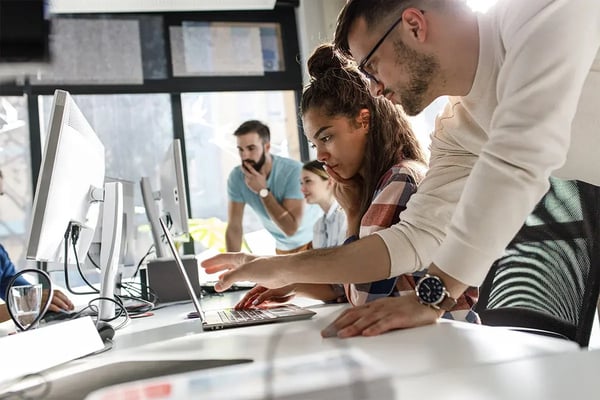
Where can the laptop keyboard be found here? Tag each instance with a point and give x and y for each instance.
(244, 315)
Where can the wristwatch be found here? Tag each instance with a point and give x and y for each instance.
(263, 193)
(432, 292)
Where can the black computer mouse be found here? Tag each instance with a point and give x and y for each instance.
(105, 330)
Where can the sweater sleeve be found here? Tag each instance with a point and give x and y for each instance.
(538, 89)
(412, 241)
(7, 271)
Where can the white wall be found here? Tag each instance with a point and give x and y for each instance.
(316, 21)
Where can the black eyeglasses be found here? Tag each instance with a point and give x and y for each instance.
(361, 65)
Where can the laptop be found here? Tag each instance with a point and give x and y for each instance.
(230, 318)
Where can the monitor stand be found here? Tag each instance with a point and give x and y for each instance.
(112, 232)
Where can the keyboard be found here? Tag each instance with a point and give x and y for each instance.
(245, 315)
(52, 316)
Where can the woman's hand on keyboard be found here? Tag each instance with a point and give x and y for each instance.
(260, 295)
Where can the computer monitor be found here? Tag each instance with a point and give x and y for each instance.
(173, 199)
(69, 188)
(170, 197)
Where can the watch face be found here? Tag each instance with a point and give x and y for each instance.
(430, 290)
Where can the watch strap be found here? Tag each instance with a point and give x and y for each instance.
(448, 303)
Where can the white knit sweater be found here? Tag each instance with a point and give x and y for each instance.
(536, 92)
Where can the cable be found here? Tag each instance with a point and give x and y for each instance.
(75, 236)
(137, 294)
(89, 257)
(150, 251)
(143, 307)
(79, 269)
(122, 310)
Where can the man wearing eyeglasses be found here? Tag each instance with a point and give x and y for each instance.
(523, 81)
(7, 270)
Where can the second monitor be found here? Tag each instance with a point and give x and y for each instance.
(169, 200)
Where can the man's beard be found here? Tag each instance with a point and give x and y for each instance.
(421, 69)
(257, 165)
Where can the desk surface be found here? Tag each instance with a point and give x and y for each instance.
(550, 377)
(408, 354)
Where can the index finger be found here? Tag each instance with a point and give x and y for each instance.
(333, 174)
(60, 302)
(250, 168)
(221, 262)
(60, 296)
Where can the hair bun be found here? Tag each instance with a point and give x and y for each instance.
(323, 59)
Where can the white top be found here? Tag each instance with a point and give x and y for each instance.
(499, 144)
(330, 229)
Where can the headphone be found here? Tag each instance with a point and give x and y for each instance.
(45, 278)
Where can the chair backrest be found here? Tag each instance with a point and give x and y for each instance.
(549, 277)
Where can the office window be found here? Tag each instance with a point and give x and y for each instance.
(226, 48)
(152, 37)
(15, 163)
(209, 122)
(102, 51)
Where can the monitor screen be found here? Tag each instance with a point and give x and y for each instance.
(69, 185)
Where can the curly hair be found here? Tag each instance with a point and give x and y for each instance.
(337, 88)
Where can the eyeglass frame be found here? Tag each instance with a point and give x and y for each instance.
(365, 60)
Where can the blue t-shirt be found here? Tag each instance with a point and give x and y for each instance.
(284, 183)
(7, 270)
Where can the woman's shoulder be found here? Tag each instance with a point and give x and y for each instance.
(415, 170)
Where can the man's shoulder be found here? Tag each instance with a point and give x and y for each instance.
(285, 163)
(236, 172)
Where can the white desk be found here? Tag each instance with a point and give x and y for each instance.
(408, 353)
(572, 375)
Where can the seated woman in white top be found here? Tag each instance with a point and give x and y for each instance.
(317, 187)
(329, 231)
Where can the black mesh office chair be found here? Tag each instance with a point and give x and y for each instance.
(549, 278)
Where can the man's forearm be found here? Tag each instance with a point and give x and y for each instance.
(455, 287)
(365, 260)
(315, 291)
(280, 215)
(233, 239)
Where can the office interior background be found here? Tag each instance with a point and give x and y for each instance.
(145, 77)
